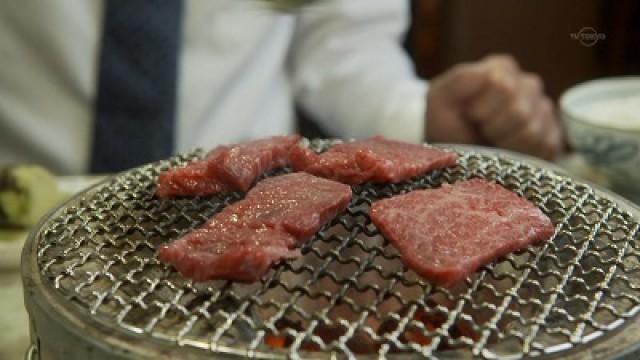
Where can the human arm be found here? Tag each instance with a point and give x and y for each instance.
(350, 72)
(493, 102)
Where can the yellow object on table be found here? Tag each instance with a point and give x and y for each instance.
(27, 192)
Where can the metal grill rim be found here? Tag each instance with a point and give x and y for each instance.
(98, 254)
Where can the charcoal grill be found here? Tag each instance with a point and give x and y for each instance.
(95, 290)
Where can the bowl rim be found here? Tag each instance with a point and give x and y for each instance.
(566, 113)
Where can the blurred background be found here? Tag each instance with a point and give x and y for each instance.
(537, 33)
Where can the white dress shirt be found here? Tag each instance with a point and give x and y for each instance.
(241, 67)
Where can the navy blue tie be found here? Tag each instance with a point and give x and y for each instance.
(136, 98)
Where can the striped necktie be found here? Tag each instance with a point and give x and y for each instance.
(136, 97)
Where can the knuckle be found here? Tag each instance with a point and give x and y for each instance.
(509, 60)
(503, 60)
(547, 106)
(546, 111)
(461, 68)
(500, 57)
(534, 82)
(503, 83)
(493, 78)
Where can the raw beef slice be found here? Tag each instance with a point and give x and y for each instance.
(374, 159)
(243, 240)
(445, 234)
(227, 168)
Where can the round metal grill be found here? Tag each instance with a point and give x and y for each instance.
(349, 295)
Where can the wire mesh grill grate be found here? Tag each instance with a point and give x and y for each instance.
(350, 295)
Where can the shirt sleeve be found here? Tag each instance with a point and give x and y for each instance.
(350, 72)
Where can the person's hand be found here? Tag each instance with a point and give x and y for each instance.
(493, 102)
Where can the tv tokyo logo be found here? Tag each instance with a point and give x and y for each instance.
(588, 36)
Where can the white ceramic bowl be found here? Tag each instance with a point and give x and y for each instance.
(612, 148)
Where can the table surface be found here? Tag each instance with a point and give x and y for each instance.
(13, 315)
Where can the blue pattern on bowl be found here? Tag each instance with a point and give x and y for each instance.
(613, 150)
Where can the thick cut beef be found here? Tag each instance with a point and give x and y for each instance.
(227, 168)
(445, 234)
(375, 159)
(243, 240)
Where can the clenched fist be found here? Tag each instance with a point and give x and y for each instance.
(493, 102)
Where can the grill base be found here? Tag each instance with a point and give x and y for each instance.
(59, 335)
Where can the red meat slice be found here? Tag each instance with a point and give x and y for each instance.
(242, 164)
(243, 240)
(193, 179)
(375, 159)
(446, 234)
(227, 168)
